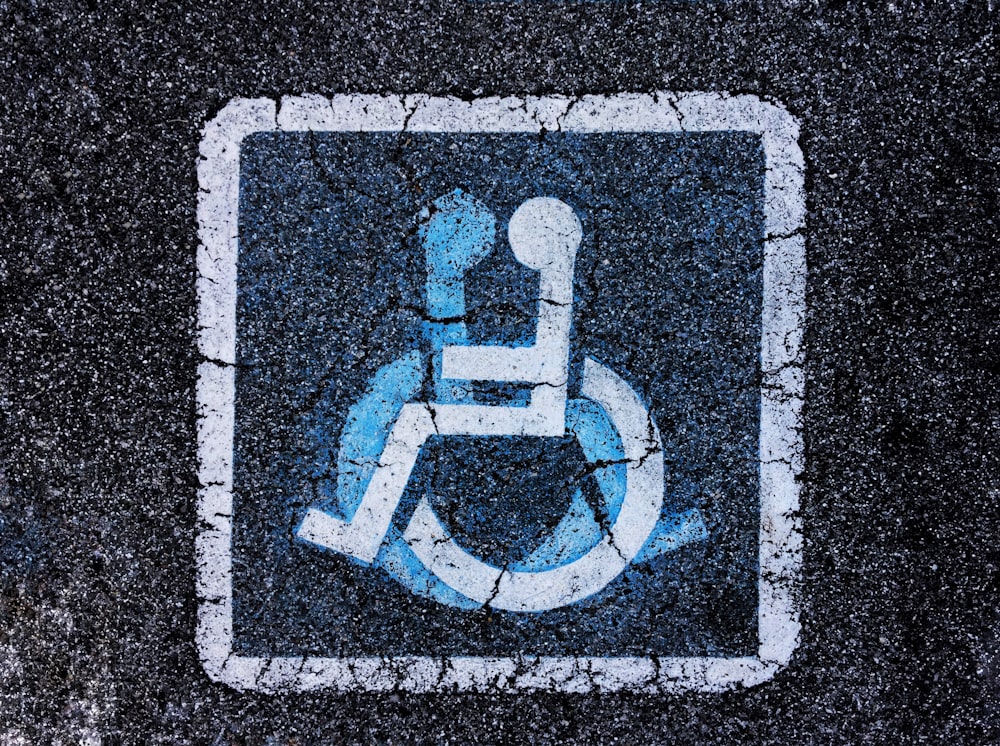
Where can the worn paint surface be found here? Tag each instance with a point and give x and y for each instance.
(340, 304)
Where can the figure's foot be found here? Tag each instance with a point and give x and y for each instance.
(340, 536)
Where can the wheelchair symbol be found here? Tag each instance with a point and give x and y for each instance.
(386, 429)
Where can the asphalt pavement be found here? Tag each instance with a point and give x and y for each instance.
(107, 612)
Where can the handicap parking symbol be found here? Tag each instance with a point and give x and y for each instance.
(381, 440)
(499, 394)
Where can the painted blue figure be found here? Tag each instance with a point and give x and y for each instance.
(387, 428)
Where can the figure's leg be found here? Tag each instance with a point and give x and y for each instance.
(362, 535)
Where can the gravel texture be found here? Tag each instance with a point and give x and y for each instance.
(101, 110)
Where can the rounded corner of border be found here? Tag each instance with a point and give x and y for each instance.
(213, 666)
(769, 670)
(238, 118)
(779, 111)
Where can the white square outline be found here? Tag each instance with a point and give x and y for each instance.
(781, 450)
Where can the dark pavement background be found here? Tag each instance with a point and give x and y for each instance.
(100, 118)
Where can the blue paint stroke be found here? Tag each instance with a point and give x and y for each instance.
(457, 233)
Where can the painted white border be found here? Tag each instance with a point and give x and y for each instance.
(781, 451)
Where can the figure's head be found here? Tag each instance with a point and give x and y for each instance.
(544, 232)
(457, 232)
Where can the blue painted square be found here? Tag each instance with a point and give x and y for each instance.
(332, 289)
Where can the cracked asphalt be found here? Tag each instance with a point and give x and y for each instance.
(102, 110)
